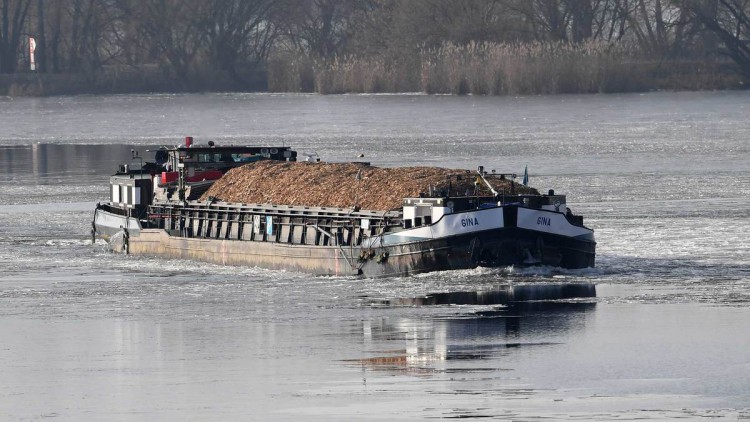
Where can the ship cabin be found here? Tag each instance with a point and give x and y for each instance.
(205, 158)
(130, 191)
(136, 184)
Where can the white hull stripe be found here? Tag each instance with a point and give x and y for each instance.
(550, 222)
(487, 219)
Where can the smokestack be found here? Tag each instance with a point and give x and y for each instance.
(188, 141)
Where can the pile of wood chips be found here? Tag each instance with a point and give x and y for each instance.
(345, 185)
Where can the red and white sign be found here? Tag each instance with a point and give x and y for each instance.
(32, 49)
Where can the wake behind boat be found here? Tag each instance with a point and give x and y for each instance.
(258, 206)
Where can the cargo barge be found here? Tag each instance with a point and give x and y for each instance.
(439, 229)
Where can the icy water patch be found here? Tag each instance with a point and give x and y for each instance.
(661, 177)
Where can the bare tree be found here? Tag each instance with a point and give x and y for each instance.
(549, 19)
(582, 18)
(91, 44)
(577, 21)
(647, 23)
(239, 35)
(434, 22)
(174, 30)
(41, 38)
(76, 36)
(610, 22)
(729, 20)
(12, 22)
(321, 28)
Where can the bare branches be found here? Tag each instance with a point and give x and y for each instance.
(13, 20)
(729, 20)
(231, 42)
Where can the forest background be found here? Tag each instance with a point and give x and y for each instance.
(486, 47)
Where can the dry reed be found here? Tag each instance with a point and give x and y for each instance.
(499, 69)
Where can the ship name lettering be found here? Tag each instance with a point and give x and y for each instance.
(543, 221)
(468, 222)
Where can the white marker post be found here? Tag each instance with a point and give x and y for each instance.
(32, 49)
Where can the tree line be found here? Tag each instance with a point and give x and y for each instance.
(478, 46)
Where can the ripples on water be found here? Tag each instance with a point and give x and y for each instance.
(662, 178)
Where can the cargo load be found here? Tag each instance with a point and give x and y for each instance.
(349, 185)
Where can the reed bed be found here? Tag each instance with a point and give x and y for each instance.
(499, 69)
(535, 68)
(343, 74)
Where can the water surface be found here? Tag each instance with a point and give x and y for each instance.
(663, 178)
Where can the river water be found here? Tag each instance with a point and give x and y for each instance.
(663, 178)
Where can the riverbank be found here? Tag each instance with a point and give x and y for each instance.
(124, 80)
(455, 73)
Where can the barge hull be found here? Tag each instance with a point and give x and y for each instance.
(107, 224)
(491, 248)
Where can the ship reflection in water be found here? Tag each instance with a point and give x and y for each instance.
(474, 326)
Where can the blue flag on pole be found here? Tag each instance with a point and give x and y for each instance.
(526, 176)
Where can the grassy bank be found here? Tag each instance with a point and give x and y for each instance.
(112, 81)
(125, 80)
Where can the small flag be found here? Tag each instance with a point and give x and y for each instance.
(526, 176)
